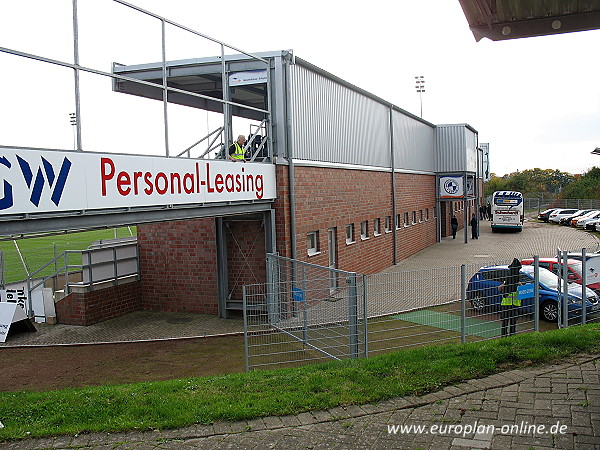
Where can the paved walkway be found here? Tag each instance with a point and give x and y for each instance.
(553, 406)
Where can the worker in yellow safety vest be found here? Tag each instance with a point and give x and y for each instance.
(236, 150)
(510, 304)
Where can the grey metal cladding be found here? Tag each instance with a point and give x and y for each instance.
(333, 123)
(413, 144)
(456, 148)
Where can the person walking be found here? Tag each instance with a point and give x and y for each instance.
(474, 227)
(454, 225)
(510, 305)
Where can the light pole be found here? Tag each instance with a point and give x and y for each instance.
(420, 86)
(73, 121)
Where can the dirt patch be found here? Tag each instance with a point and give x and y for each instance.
(39, 369)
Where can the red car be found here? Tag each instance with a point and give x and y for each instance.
(575, 270)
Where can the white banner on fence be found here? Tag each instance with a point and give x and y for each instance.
(35, 181)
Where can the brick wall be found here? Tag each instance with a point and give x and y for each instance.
(88, 308)
(328, 198)
(178, 266)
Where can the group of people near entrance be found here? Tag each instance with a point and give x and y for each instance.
(474, 224)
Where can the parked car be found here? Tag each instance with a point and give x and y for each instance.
(575, 270)
(588, 214)
(484, 294)
(568, 220)
(557, 214)
(581, 222)
(544, 215)
(591, 225)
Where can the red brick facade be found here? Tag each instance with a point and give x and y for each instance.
(178, 266)
(333, 198)
(88, 308)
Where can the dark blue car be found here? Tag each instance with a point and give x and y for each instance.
(483, 292)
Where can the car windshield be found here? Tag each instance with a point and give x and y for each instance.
(577, 268)
(548, 279)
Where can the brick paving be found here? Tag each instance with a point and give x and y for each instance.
(547, 407)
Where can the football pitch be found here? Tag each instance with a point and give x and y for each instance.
(26, 255)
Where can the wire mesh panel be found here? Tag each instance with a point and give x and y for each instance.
(301, 316)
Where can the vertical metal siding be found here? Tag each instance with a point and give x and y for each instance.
(413, 144)
(333, 123)
(450, 144)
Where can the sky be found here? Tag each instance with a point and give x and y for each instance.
(536, 101)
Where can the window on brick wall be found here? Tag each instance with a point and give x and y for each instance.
(406, 219)
(364, 230)
(388, 224)
(414, 217)
(434, 212)
(421, 217)
(427, 214)
(350, 234)
(312, 242)
(398, 221)
(377, 227)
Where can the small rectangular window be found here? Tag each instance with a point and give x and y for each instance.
(434, 212)
(421, 217)
(414, 217)
(406, 220)
(312, 242)
(376, 227)
(350, 233)
(388, 224)
(427, 214)
(364, 230)
(398, 220)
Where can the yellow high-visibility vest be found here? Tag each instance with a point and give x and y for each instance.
(511, 299)
(239, 151)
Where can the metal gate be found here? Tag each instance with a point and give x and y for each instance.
(298, 317)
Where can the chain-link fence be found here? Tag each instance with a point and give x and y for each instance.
(301, 316)
(538, 204)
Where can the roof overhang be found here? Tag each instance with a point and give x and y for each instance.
(502, 20)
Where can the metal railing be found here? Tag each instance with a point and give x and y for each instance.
(98, 268)
(307, 313)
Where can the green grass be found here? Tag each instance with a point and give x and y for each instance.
(177, 403)
(40, 250)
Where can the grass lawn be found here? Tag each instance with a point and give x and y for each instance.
(40, 250)
(182, 402)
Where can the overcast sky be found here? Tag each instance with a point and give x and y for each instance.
(535, 100)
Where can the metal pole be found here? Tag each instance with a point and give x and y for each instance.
(76, 75)
(559, 289)
(565, 304)
(2, 269)
(352, 316)
(304, 308)
(584, 286)
(394, 223)
(165, 90)
(463, 303)
(536, 293)
(366, 316)
(246, 347)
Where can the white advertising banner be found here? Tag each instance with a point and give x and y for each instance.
(33, 181)
(451, 187)
(248, 77)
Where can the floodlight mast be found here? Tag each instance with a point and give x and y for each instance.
(420, 86)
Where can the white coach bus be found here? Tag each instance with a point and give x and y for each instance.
(507, 210)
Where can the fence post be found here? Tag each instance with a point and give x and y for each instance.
(536, 293)
(584, 287)
(2, 269)
(245, 313)
(366, 316)
(565, 303)
(353, 316)
(304, 308)
(463, 302)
